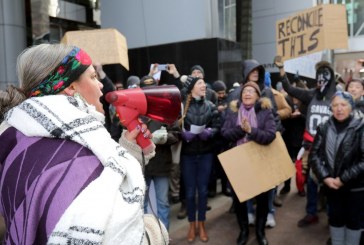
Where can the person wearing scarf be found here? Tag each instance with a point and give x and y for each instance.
(63, 179)
(337, 160)
(250, 119)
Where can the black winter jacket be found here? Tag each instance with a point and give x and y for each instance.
(201, 112)
(349, 159)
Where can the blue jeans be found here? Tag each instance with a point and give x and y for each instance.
(312, 196)
(161, 185)
(196, 171)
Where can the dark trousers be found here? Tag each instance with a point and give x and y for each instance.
(345, 207)
(262, 209)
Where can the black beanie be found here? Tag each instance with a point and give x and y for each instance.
(190, 83)
(218, 86)
(147, 81)
(198, 67)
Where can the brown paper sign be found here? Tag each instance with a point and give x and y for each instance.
(313, 30)
(253, 168)
(106, 46)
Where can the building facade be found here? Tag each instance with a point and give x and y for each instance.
(216, 34)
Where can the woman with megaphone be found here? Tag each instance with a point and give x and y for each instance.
(63, 178)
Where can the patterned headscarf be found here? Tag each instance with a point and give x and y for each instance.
(69, 70)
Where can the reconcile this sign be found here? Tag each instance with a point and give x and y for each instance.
(313, 30)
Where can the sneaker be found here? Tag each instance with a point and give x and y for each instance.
(302, 193)
(232, 208)
(285, 190)
(271, 222)
(277, 201)
(211, 193)
(182, 212)
(174, 200)
(208, 207)
(309, 219)
(251, 218)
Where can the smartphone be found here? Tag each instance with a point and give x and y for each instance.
(162, 67)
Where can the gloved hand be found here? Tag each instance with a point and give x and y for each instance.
(205, 134)
(188, 136)
(160, 136)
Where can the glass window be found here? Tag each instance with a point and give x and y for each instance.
(355, 14)
(52, 18)
(228, 19)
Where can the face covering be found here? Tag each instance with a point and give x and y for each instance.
(323, 78)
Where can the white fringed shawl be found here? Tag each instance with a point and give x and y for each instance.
(108, 210)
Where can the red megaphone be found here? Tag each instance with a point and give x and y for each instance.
(161, 103)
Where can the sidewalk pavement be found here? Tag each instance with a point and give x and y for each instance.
(222, 226)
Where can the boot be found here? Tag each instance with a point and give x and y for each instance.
(243, 221)
(260, 232)
(244, 234)
(202, 231)
(192, 232)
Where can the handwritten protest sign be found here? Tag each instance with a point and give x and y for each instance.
(252, 168)
(106, 46)
(313, 30)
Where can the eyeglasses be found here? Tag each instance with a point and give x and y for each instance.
(249, 91)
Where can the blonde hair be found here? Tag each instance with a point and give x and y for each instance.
(188, 102)
(33, 65)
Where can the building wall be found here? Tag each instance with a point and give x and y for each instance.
(264, 17)
(12, 39)
(147, 23)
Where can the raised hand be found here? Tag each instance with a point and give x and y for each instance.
(278, 61)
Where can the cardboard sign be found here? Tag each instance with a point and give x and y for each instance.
(313, 30)
(305, 65)
(106, 46)
(253, 169)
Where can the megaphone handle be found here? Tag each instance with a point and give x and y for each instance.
(144, 143)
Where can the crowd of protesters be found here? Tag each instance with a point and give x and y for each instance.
(322, 128)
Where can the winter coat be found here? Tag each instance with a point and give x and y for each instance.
(201, 112)
(264, 134)
(248, 67)
(349, 158)
(284, 110)
(161, 163)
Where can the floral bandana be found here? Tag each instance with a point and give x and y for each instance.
(69, 70)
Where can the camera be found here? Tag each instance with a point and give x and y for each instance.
(163, 67)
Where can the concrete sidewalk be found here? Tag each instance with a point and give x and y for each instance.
(222, 226)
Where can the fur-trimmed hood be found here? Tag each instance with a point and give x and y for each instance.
(262, 104)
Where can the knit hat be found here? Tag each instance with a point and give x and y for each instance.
(133, 82)
(190, 83)
(323, 63)
(346, 96)
(254, 85)
(198, 67)
(147, 81)
(218, 86)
